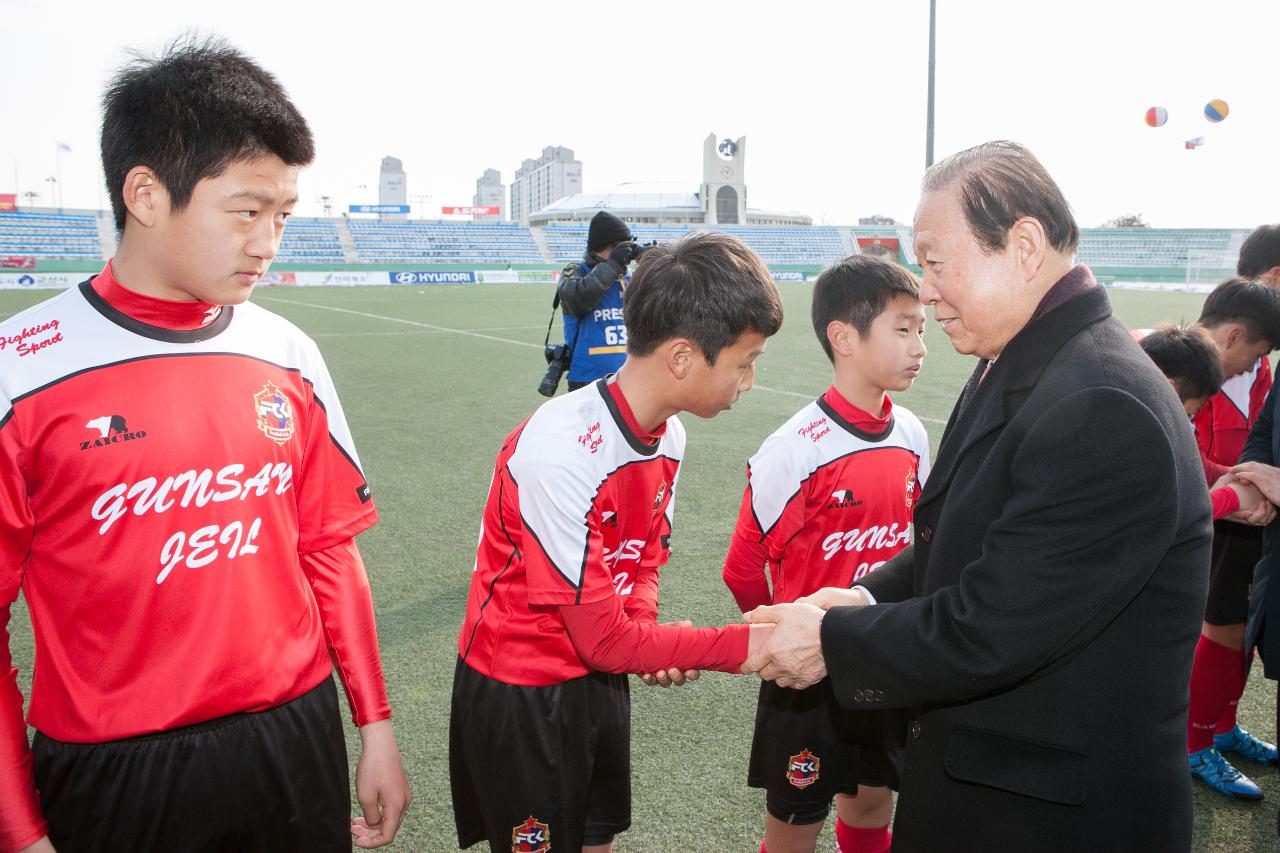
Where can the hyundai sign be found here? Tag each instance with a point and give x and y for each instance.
(460, 277)
(378, 208)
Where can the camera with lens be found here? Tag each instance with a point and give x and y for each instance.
(640, 248)
(558, 358)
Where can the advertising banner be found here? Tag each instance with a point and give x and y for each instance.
(378, 208)
(41, 280)
(8, 201)
(18, 262)
(471, 211)
(430, 277)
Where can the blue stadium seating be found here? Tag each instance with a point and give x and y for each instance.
(48, 236)
(776, 245)
(1204, 252)
(382, 241)
(310, 241)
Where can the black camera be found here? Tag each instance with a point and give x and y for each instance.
(558, 358)
(640, 248)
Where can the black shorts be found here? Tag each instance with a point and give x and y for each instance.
(536, 768)
(1236, 550)
(807, 749)
(269, 781)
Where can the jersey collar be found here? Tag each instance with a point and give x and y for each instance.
(645, 443)
(161, 319)
(854, 420)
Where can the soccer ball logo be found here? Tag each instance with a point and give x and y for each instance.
(532, 836)
(274, 414)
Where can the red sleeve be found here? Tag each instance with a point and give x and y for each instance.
(1212, 470)
(743, 573)
(641, 603)
(341, 587)
(608, 641)
(1225, 501)
(22, 823)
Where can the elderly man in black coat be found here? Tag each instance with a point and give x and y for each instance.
(1040, 630)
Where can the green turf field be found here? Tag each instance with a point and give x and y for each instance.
(433, 378)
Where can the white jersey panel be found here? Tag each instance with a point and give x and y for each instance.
(567, 450)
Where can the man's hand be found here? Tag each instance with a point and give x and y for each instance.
(1265, 477)
(1254, 508)
(835, 596)
(792, 656)
(757, 642)
(668, 677)
(381, 787)
(623, 253)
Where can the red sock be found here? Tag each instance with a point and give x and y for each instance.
(762, 850)
(857, 839)
(1214, 673)
(1227, 721)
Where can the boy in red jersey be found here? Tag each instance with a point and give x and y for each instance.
(564, 596)
(828, 500)
(1243, 318)
(179, 497)
(1191, 361)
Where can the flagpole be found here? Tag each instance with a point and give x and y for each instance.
(57, 153)
(928, 133)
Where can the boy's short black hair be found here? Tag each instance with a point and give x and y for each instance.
(192, 111)
(1188, 357)
(1259, 252)
(707, 287)
(856, 291)
(1249, 303)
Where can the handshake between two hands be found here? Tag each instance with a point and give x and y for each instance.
(1258, 487)
(785, 643)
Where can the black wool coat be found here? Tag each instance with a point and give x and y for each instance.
(1264, 602)
(1040, 630)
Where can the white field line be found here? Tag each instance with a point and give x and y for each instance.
(473, 334)
(414, 323)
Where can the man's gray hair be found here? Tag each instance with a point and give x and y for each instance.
(999, 183)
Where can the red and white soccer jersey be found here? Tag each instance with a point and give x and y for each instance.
(157, 488)
(1223, 423)
(580, 509)
(829, 501)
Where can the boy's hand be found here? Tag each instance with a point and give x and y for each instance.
(381, 787)
(1254, 508)
(835, 596)
(668, 677)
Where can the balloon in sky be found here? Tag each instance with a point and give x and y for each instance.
(1157, 116)
(1216, 110)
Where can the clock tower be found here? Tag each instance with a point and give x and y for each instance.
(724, 188)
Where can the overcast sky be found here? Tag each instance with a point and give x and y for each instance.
(831, 96)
